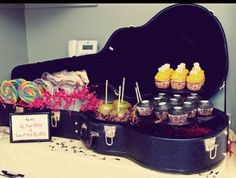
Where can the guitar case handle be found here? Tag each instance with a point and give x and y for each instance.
(87, 136)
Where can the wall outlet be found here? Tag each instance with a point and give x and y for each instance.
(230, 119)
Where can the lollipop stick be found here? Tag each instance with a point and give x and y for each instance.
(118, 107)
(106, 91)
(140, 98)
(123, 89)
(138, 91)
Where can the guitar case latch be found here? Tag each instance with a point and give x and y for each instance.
(110, 132)
(211, 147)
(55, 117)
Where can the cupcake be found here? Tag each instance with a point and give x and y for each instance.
(144, 108)
(196, 78)
(177, 115)
(161, 111)
(163, 96)
(178, 79)
(191, 109)
(178, 96)
(173, 101)
(196, 66)
(205, 108)
(191, 99)
(155, 101)
(195, 95)
(162, 77)
(183, 66)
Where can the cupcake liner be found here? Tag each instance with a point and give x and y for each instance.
(162, 84)
(192, 114)
(194, 86)
(177, 85)
(178, 119)
(204, 112)
(144, 111)
(161, 115)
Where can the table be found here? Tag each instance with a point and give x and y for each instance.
(68, 158)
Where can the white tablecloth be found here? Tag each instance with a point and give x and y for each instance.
(67, 158)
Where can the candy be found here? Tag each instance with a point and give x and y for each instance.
(8, 92)
(41, 84)
(17, 82)
(29, 92)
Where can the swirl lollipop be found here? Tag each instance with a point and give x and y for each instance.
(41, 84)
(8, 92)
(29, 92)
(17, 82)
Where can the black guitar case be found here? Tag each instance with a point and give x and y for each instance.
(180, 33)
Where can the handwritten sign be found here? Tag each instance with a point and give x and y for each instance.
(29, 127)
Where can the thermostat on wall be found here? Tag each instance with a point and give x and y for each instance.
(85, 47)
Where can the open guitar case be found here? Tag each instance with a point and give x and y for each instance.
(180, 33)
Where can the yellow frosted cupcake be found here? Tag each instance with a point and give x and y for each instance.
(196, 78)
(178, 79)
(168, 69)
(162, 77)
(183, 66)
(201, 73)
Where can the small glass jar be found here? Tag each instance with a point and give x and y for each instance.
(144, 108)
(161, 111)
(177, 115)
(205, 108)
(191, 108)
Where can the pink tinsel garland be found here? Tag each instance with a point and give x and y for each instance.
(230, 151)
(62, 100)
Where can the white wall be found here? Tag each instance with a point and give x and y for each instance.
(49, 29)
(226, 14)
(13, 47)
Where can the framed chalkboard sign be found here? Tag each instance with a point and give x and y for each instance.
(29, 127)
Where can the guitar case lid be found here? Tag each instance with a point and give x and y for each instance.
(180, 33)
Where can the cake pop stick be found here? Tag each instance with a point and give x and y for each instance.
(136, 92)
(119, 96)
(123, 89)
(139, 92)
(106, 90)
(140, 98)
